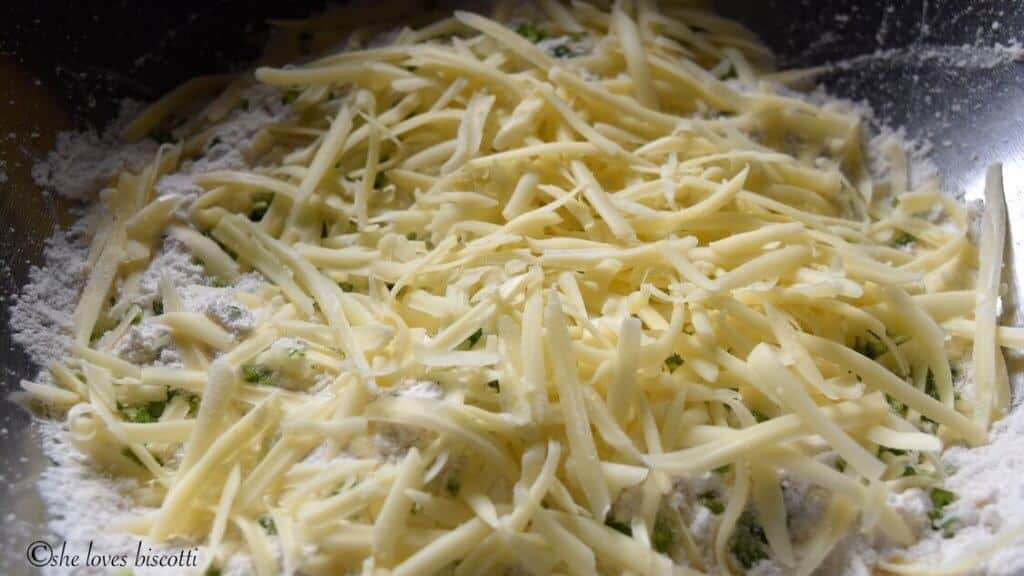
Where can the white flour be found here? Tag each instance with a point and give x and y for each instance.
(174, 261)
(85, 504)
(41, 313)
(144, 343)
(83, 162)
(990, 498)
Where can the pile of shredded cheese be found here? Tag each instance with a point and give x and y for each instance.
(517, 270)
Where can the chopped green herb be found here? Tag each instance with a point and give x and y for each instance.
(871, 346)
(346, 286)
(618, 526)
(494, 385)
(531, 32)
(453, 485)
(949, 527)
(663, 537)
(268, 525)
(257, 375)
(297, 352)
(674, 361)
(901, 238)
(749, 542)
(929, 385)
(212, 571)
(158, 307)
(260, 204)
(468, 343)
(196, 261)
(895, 404)
(137, 318)
(218, 282)
(909, 471)
(840, 464)
(145, 414)
(710, 501)
(722, 469)
(941, 497)
(561, 51)
(193, 400)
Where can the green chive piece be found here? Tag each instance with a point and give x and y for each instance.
(674, 361)
(257, 375)
(531, 32)
(468, 343)
(710, 501)
(268, 525)
(663, 537)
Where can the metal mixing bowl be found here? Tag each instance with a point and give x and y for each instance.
(67, 65)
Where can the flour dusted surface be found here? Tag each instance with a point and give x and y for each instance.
(41, 313)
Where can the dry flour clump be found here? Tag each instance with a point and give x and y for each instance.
(82, 163)
(41, 314)
(144, 343)
(175, 262)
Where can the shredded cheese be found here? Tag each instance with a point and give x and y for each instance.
(508, 286)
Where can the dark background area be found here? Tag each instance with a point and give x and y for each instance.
(67, 65)
(93, 54)
(90, 55)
